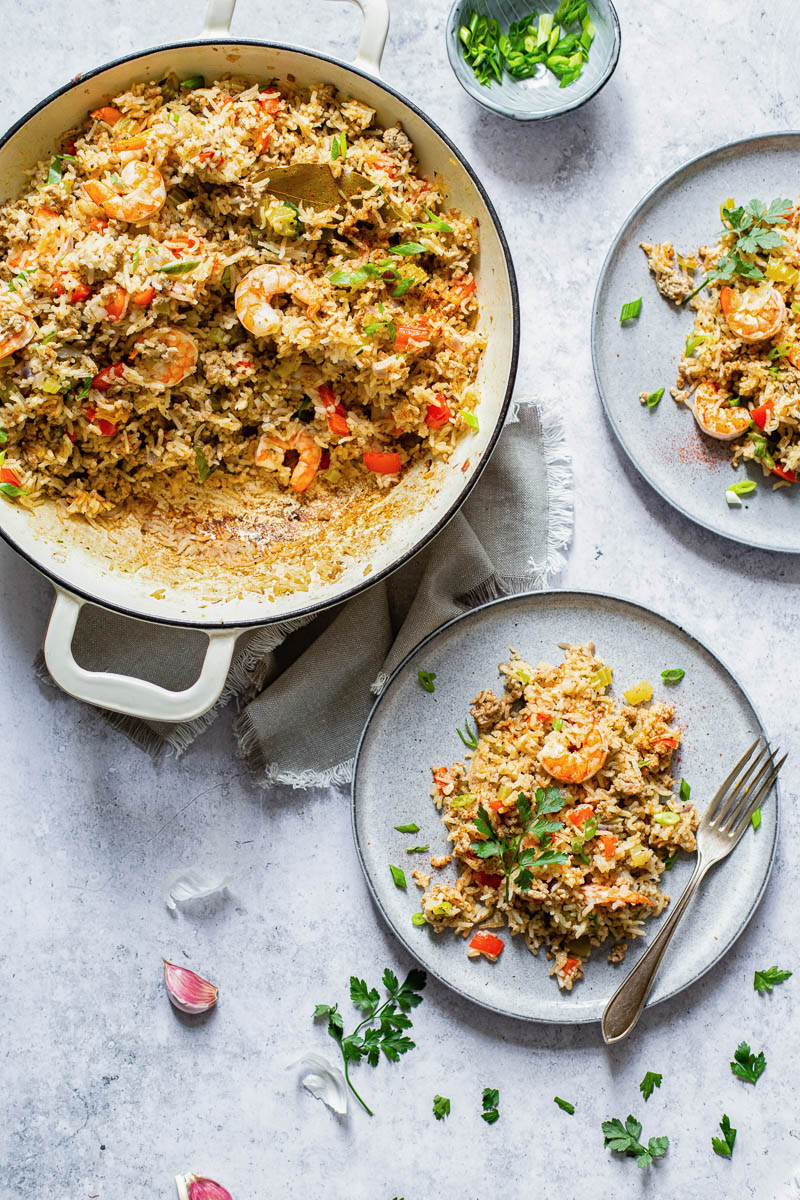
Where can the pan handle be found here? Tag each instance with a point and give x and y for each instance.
(124, 693)
(373, 35)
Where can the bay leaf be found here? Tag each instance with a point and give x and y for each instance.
(305, 183)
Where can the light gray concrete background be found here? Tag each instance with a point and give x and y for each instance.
(105, 1092)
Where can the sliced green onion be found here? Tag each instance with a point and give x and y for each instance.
(418, 919)
(416, 849)
(693, 342)
(203, 469)
(48, 338)
(194, 81)
(407, 248)
(666, 818)
(462, 801)
(545, 29)
(630, 310)
(743, 487)
(180, 268)
(85, 389)
(470, 419)
(399, 876)
(685, 791)
(558, 724)
(654, 398)
(755, 819)
(467, 736)
(409, 828)
(434, 223)
(673, 675)
(565, 1105)
(669, 861)
(731, 499)
(426, 678)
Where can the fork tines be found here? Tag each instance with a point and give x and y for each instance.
(744, 789)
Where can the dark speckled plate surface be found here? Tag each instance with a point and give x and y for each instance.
(689, 469)
(409, 729)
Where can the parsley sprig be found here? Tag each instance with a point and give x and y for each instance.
(754, 225)
(441, 1107)
(724, 1146)
(624, 1139)
(387, 1021)
(746, 1065)
(764, 981)
(516, 862)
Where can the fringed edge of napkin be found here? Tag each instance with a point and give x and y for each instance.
(560, 520)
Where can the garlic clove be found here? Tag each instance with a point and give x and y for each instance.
(323, 1080)
(197, 1187)
(188, 991)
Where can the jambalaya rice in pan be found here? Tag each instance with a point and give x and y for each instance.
(584, 781)
(231, 281)
(740, 370)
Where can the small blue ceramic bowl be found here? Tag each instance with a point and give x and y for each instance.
(539, 98)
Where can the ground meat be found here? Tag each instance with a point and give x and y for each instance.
(487, 709)
(672, 282)
(617, 952)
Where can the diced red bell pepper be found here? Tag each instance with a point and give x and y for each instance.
(57, 287)
(610, 842)
(783, 473)
(485, 880)
(486, 943)
(441, 777)
(418, 333)
(579, 816)
(118, 303)
(761, 414)
(108, 375)
(668, 743)
(79, 293)
(336, 413)
(269, 102)
(438, 414)
(570, 966)
(382, 462)
(108, 114)
(107, 428)
(144, 297)
(7, 475)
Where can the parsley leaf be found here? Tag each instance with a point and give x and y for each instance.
(387, 1021)
(748, 1066)
(490, 1100)
(441, 1107)
(724, 1146)
(624, 1139)
(764, 981)
(651, 1080)
(565, 1104)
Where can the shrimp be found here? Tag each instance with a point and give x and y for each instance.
(51, 245)
(253, 295)
(171, 355)
(16, 326)
(596, 893)
(713, 415)
(754, 315)
(143, 196)
(308, 461)
(574, 765)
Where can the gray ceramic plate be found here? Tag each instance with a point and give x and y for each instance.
(410, 729)
(690, 470)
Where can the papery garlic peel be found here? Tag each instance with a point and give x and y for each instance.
(188, 991)
(197, 1187)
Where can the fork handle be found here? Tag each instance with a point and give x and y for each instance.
(626, 1005)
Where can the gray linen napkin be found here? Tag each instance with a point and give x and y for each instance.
(305, 688)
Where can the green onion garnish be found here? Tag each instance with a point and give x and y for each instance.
(755, 820)
(666, 818)
(418, 919)
(403, 284)
(669, 861)
(630, 310)
(203, 469)
(339, 146)
(469, 738)
(685, 791)
(470, 419)
(194, 81)
(426, 678)
(558, 724)
(407, 248)
(411, 827)
(85, 389)
(48, 338)
(399, 876)
(416, 849)
(743, 487)
(693, 342)
(434, 223)
(565, 1105)
(673, 675)
(654, 397)
(180, 268)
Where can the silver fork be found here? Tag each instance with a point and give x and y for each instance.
(724, 821)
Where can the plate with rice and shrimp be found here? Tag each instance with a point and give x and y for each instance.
(526, 796)
(696, 340)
